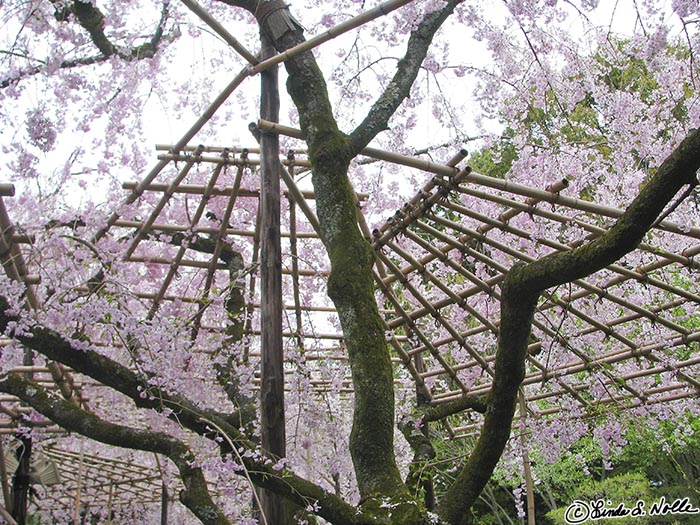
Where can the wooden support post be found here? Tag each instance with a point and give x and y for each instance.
(20, 481)
(78, 489)
(164, 504)
(272, 427)
(6, 497)
(109, 503)
(529, 488)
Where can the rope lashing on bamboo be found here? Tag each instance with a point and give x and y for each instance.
(278, 24)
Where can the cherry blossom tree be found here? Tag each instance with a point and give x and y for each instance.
(614, 112)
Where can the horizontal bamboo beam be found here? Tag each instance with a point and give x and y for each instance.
(235, 150)
(190, 263)
(171, 157)
(175, 228)
(7, 190)
(199, 189)
(11, 431)
(492, 182)
(225, 150)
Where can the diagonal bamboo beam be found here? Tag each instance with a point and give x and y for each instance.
(220, 30)
(184, 140)
(218, 246)
(184, 245)
(333, 32)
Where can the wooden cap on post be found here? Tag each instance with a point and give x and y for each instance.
(7, 190)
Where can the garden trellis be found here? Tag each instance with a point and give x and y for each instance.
(427, 279)
(193, 231)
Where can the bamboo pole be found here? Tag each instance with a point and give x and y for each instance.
(208, 149)
(492, 182)
(109, 503)
(220, 30)
(189, 263)
(344, 27)
(6, 495)
(222, 160)
(199, 189)
(78, 488)
(184, 262)
(174, 228)
(529, 486)
(196, 127)
(248, 328)
(295, 269)
(213, 263)
(300, 198)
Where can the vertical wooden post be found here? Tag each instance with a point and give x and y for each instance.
(109, 503)
(7, 498)
(20, 482)
(422, 399)
(163, 504)
(272, 428)
(530, 493)
(78, 488)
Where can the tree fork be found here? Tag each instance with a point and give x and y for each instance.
(350, 285)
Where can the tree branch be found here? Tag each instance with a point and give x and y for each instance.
(206, 423)
(195, 495)
(399, 88)
(91, 19)
(520, 293)
(114, 375)
(441, 411)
